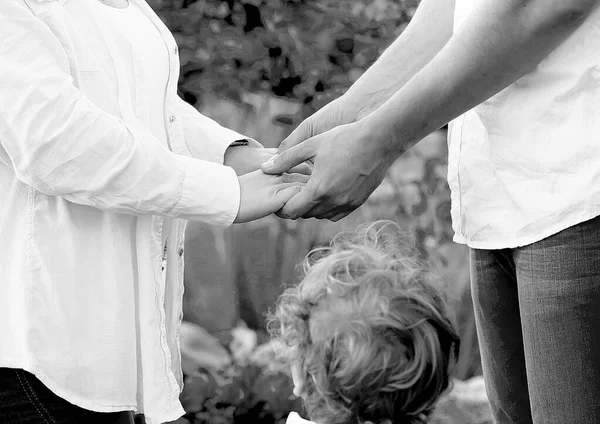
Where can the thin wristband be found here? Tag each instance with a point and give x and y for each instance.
(239, 143)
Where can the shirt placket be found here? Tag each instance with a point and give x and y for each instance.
(172, 52)
(172, 124)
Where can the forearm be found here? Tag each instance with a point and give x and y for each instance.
(499, 43)
(429, 30)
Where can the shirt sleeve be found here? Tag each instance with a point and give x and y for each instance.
(205, 138)
(57, 141)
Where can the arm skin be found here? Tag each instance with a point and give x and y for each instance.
(428, 31)
(500, 42)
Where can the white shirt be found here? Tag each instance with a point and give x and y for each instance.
(87, 187)
(141, 48)
(526, 163)
(145, 56)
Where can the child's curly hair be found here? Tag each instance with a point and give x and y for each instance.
(369, 328)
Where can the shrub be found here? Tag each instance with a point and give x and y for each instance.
(311, 51)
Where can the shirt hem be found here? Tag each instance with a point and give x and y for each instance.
(525, 241)
(171, 414)
(64, 393)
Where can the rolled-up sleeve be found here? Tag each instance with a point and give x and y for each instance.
(59, 142)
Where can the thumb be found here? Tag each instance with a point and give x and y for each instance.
(290, 158)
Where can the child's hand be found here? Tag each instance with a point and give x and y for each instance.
(262, 194)
(245, 159)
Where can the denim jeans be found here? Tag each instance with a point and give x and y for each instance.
(537, 310)
(25, 400)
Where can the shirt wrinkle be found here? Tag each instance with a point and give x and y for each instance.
(521, 164)
(86, 184)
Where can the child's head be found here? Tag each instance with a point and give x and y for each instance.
(368, 331)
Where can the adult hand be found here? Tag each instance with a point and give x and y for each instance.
(348, 166)
(245, 159)
(262, 194)
(338, 112)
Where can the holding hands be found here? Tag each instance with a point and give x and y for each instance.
(262, 194)
(325, 169)
(348, 165)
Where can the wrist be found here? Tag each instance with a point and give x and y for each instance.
(345, 108)
(365, 99)
(380, 136)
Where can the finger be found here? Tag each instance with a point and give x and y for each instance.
(290, 158)
(304, 168)
(329, 210)
(301, 133)
(339, 216)
(292, 178)
(338, 213)
(323, 210)
(288, 192)
(298, 204)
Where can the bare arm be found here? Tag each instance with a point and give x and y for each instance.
(426, 34)
(428, 31)
(499, 42)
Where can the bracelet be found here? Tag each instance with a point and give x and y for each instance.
(239, 143)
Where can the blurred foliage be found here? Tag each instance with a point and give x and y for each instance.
(311, 51)
(249, 395)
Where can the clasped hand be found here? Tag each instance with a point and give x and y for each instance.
(348, 165)
(326, 175)
(262, 194)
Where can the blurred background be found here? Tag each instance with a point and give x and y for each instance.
(260, 67)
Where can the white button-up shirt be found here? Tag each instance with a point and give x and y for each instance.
(526, 163)
(85, 191)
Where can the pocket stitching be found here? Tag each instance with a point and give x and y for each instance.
(35, 400)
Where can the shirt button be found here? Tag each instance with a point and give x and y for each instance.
(180, 251)
(176, 50)
(172, 118)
